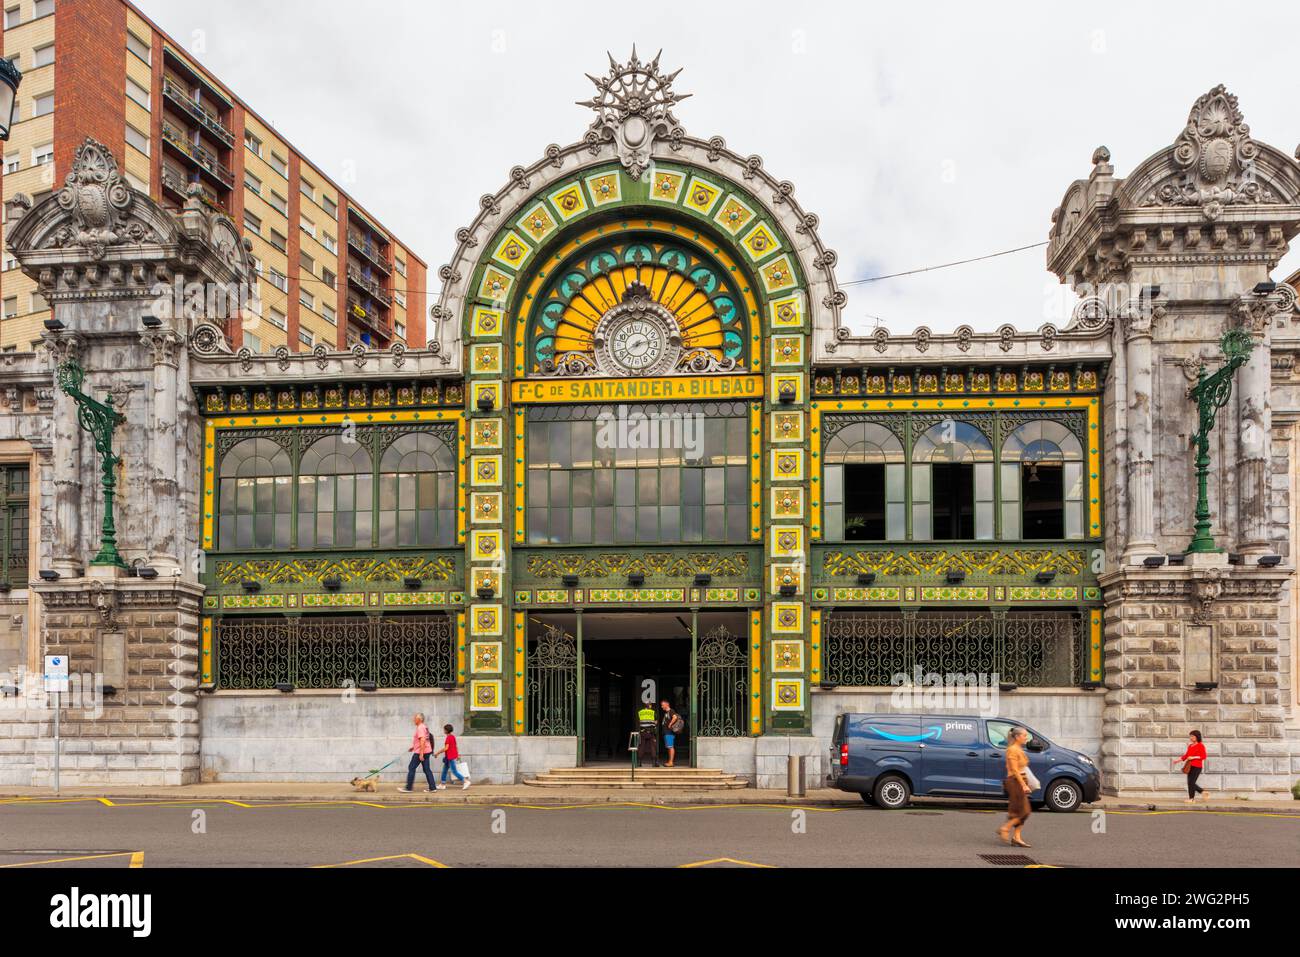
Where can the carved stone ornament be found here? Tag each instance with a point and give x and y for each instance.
(1090, 314)
(97, 198)
(633, 105)
(1217, 156)
(208, 339)
(1206, 592)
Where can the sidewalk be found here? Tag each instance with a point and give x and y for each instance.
(520, 794)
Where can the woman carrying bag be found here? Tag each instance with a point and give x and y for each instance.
(1193, 764)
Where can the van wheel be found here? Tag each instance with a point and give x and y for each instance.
(892, 792)
(1063, 795)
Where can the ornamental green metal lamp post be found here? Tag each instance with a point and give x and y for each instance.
(99, 419)
(1211, 394)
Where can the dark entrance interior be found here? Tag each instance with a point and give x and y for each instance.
(621, 673)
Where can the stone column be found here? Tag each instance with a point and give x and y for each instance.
(1254, 381)
(67, 555)
(165, 434)
(1139, 371)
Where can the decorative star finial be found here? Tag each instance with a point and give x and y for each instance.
(633, 104)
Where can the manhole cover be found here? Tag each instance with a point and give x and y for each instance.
(1009, 860)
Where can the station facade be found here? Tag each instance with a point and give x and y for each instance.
(643, 456)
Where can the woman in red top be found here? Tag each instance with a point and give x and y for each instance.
(1195, 758)
(450, 753)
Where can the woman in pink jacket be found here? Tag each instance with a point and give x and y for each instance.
(421, 748)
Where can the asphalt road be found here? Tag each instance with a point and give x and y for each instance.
(86, 833)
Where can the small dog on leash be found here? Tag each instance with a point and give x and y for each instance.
(365, 784)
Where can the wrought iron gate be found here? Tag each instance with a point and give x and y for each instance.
(722, 685)
(551, 692)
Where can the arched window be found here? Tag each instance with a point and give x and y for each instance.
(952, 483)
(417, 492)
(864, 495)
(255, 500)
(1042, 482)
(335, 495)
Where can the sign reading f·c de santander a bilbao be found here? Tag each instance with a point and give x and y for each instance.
(663, 389)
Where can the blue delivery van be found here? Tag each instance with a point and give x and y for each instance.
(888, 758)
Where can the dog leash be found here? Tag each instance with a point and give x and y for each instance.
(385, 767)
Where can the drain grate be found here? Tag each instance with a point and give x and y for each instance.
(1009, 860)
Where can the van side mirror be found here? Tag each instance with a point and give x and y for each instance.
(1037, 744)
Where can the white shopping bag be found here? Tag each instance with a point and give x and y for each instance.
(463, 767)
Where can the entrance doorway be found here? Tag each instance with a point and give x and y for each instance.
(623, 675)
(592, 687)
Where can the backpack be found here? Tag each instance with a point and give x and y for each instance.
(676, 724)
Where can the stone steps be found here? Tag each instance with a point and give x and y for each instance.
(622, 777)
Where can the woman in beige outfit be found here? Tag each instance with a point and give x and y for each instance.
(1018, 789)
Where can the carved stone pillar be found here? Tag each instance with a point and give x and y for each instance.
(1256, 313)
(66, 552)
(1139, 370)
(164, 436)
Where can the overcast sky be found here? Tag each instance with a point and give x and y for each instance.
(920, 133)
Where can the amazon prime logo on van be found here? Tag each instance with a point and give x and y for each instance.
(926, 690)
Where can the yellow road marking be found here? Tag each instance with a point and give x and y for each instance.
(726, 860)
(391, 857)
(86, 857)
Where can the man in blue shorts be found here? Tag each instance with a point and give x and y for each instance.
(672, 725)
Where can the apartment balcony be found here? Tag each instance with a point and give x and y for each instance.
(179, 186)
(370, 249)
(181, 97)
(372, 286)
(204, 157)
(370, 316)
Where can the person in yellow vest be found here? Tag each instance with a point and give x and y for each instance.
(647, 751)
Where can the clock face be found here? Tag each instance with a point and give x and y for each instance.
(637, 344)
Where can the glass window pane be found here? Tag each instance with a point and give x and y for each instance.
(737, 523)
(714, 486)
(715, 524)
(833, 484)
(325, 530)
(405, 490)
(983, 520)
(582, 450)
(604, 487)
(561, 451)
(692, 524)
(895, 483)
(1074, 520)
(559, 526)
(226, 531)
(1073, 481)
(244, 531)
(670, 485)
(626, 486)
(559, 490)
(446, 528)
(387, 528)
(647, 482)
(921, 485)
(670, 523)
(896, 521)
(539, 487)
(922, 530)
(737, 484)
(427, 533)
(537, 524)
(647, 523)
(626, 528)
(833, 520)
(363, 528)
(538, 447)
(582, 526)
(1011, 520)
(715, 441)
(692, 486)
(737, 440)
(424, 490)
(1010, 482)
(580, 487)
(603, 533)
(984, 482)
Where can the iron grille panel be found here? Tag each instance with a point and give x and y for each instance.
(1029, 648)
(552, 683)
(408, 651)
(722, 673)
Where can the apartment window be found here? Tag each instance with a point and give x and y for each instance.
(11, 307)
(307, 226)
(327, 311)
(401, 298)
(252, 183)
(13, 163)
(330, 206)
(43, 105)
(13, 17)
(43, 56)
(38, 303)
(137, 93)
(307, 299)
(10, 263)
(254, 343)
(308, 264)
(329, 242)
(137, 183)
(401, 266)
(279, 164)
(401, 330)
(277, 319)
(137, 139)
(279, 280)
(42, 155)
(279, 241)
(253, 144)
(328, 277)
(304, 337)
(252, 223)
(42, 8)
(137, 46)
(307, 189)
(279, 203)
